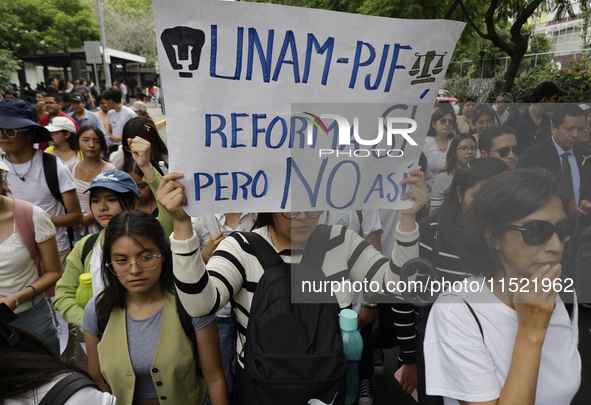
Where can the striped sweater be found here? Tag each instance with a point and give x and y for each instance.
(233, 273)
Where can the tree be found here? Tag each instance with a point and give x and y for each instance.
(8, 65)
(47, 26)
(129, 27)
(485, 20)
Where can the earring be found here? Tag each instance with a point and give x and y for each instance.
(497, 247)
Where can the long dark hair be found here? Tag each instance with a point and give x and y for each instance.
(101, 137)
(139, 227)
(263, 219)
(436, 116)
(450, 212)
(28, 365)
(451, 159)
(144, 128)
(500, 201)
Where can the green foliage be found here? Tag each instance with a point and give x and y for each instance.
(28, 26)
(572, 75)
(458, 87)
(8, 65)
(129, 27)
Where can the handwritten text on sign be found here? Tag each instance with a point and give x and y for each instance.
(254, 93)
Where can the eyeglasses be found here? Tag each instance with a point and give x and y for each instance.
(309, 214)
(12, 133)
(484, 122)
(468, 148)
(122, 267)
(504, 152)
(444, 121)
(539, 232)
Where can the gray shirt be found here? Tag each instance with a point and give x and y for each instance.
(142, 341)
(91, 118)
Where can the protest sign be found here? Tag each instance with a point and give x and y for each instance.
(273, 108)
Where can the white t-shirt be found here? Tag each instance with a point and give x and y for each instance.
(118, 120)
(36, 191)
(461, 365)
(95, 269)
(87, 395)
(17, 267)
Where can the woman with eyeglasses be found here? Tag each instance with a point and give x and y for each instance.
(508, 338)
(465, 116)
(441, 131)
(139, 348)
(233, 271)
(462, 150)
(111, 192)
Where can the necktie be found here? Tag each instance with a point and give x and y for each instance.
(568, 176)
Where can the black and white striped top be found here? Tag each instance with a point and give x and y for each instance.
(233, 272)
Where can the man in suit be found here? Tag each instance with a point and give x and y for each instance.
(561, 153)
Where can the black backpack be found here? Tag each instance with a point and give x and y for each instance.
(51, 178)
(66, 387)
(293, 352)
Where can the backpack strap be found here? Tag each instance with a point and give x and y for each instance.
(66, 387)
(23, 222)
(317, 245)
(187, 325)
(53, 182)
(259, 247)
(88, 246)
(50, 172)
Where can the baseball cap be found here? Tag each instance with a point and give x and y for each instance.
(548, 89)
(115, 180)
(16, 114)
(76, 97)
(61, 124)
(139, 106)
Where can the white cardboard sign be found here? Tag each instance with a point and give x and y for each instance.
(250, 88)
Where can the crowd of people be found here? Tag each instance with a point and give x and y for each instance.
(177, 300)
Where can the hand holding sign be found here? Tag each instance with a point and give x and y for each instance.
(419, 193)
(171, 195)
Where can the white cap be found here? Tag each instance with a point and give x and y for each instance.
(4, 166)
(61, 124)
(139, 106)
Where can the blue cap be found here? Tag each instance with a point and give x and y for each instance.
(115, 180)
(16, 114)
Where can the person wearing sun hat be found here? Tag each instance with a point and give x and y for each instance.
(30, 173)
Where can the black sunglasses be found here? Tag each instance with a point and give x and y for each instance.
(504, 152)
(539, 232)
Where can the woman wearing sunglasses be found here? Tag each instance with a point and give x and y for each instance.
(441, 131)
(233, 271)
(138, 348)
(507, 345)
(462, 150)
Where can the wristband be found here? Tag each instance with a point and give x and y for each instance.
(34, 296)
(15, 298)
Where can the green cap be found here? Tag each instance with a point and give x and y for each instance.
(348, 319)
(86, 280)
